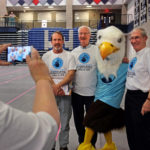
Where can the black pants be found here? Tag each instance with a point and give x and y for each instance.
(137, 126)
(78, 104)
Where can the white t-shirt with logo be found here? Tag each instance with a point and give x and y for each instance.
(59, 64)
(85, 77)
(138, 76)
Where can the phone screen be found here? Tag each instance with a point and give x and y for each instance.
(18, 53)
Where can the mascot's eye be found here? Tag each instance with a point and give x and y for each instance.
(119, 40)
(99, 37)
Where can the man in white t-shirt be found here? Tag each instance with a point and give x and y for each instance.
(62, 67)
(84, 83)
(137, 100)
(35, 130)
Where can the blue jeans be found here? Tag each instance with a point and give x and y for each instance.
(65, 109)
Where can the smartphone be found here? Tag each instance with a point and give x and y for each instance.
(18, 53)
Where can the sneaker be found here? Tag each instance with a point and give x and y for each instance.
(63, 148)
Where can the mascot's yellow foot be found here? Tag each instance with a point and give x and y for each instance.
(111, 146)
(85, 146)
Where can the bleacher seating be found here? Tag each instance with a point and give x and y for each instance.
(40, 37)
(16, 38)
(8, 29)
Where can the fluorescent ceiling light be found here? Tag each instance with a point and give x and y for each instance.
(88, 6)
(26, 7)
(50, 7)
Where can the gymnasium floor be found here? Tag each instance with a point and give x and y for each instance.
(17, 89)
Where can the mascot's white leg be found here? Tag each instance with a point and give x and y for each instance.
(109, 144)
(86, 145)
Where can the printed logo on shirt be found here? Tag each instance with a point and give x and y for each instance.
(109, 79)
(131, 72)
(132, 63)
(84, 58)
(57, 74)
(57, 63)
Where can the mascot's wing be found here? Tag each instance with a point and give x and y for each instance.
(111, 43)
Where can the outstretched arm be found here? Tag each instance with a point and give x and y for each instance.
(3, 48)
(44, 97)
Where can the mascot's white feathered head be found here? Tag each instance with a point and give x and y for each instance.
(111, 44)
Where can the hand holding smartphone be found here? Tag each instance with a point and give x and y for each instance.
(18, 53)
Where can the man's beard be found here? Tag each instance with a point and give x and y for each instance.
(57, 48)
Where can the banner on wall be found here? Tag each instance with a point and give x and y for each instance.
(105, 1)
(21, 2)
(137, 13)
(13, 2)
(89, 1)
(57, 1)
(82, 1)
(112, 1)
(43, 2)
(28, 1)
(35, 2)
(97, 1)
(148, 9)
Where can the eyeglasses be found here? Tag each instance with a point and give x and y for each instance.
(134, 38)
(84, 33)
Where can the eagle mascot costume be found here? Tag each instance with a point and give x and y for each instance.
(105, 113)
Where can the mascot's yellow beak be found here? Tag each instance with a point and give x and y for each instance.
(106, 49)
